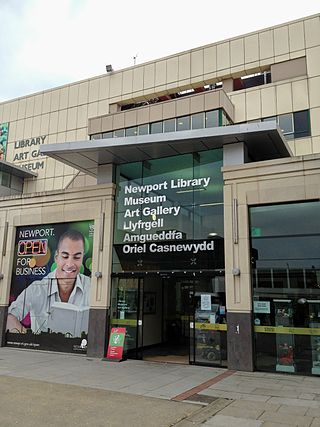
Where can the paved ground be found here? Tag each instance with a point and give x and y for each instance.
(51, 389)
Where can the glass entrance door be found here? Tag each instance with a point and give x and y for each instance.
(177, 315)
(208, 343)
(127, 311)
(171, 318)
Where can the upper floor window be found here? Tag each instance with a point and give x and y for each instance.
(174, 95)
(208, 119)
(252, 80)
(293, 125)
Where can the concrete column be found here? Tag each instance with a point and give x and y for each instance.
(235, 154)
(106, 174)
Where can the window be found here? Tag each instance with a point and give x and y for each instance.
(5, 179)
(197, 121)
(156, 127)
(301, 121)
(212, 119)
(169, 125)
(183, 123)
(174, 95)
(208, 119)
(133, 131)
(270, 119)
(286, 124)
(293, 125)
(107, 135)
(225, 120)
(143, 129)
(196, 210)
(118, 133)
(252, 80)
(285, 261)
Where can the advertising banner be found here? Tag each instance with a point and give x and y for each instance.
(3, 140)
(50, 287)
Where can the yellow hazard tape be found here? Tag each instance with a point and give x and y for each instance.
(286, 330)
(211, 326)
(129, 322)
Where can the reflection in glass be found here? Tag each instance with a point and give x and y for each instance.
(143, 129)
(119, 133)
(183, 123)
(132, 131)
(285, 259)
(169, 125)
(286, 123)
(182, 195)
(156, 127)
(107, 135)
(197, 121)
(212, 119)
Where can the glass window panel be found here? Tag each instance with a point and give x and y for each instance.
(124, 306)
(119, 133)
(263, 278)
(169, 125)
(225, 119)
(96, 136)
(175, 171)
(212, 119)
(5, 179)
(132, 131)
(156, 127)
(208, 164)
(270, 119)
(288, 247)
(285, 219)
(107, 135)
(197, 121)
(208, 221)
(183, 123)
(161, 196)
(286, 123)
(301, 124)
(143, 129)
(286, 282)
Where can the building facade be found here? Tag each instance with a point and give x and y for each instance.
(193, 182)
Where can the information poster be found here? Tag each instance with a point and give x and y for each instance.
(116, 343)
(50, 288)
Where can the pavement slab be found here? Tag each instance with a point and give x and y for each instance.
(37, 403)
(42, 388)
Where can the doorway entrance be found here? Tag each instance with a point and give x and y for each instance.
(172, 318)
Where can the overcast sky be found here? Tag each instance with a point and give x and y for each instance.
(47, 43)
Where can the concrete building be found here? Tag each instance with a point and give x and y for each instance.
(195, 182)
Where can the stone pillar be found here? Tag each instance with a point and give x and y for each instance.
(237, 272)
(98, 328)
(240, 341)
(3, 322)
(98, 332)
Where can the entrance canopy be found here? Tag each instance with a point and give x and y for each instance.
(263, 141)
